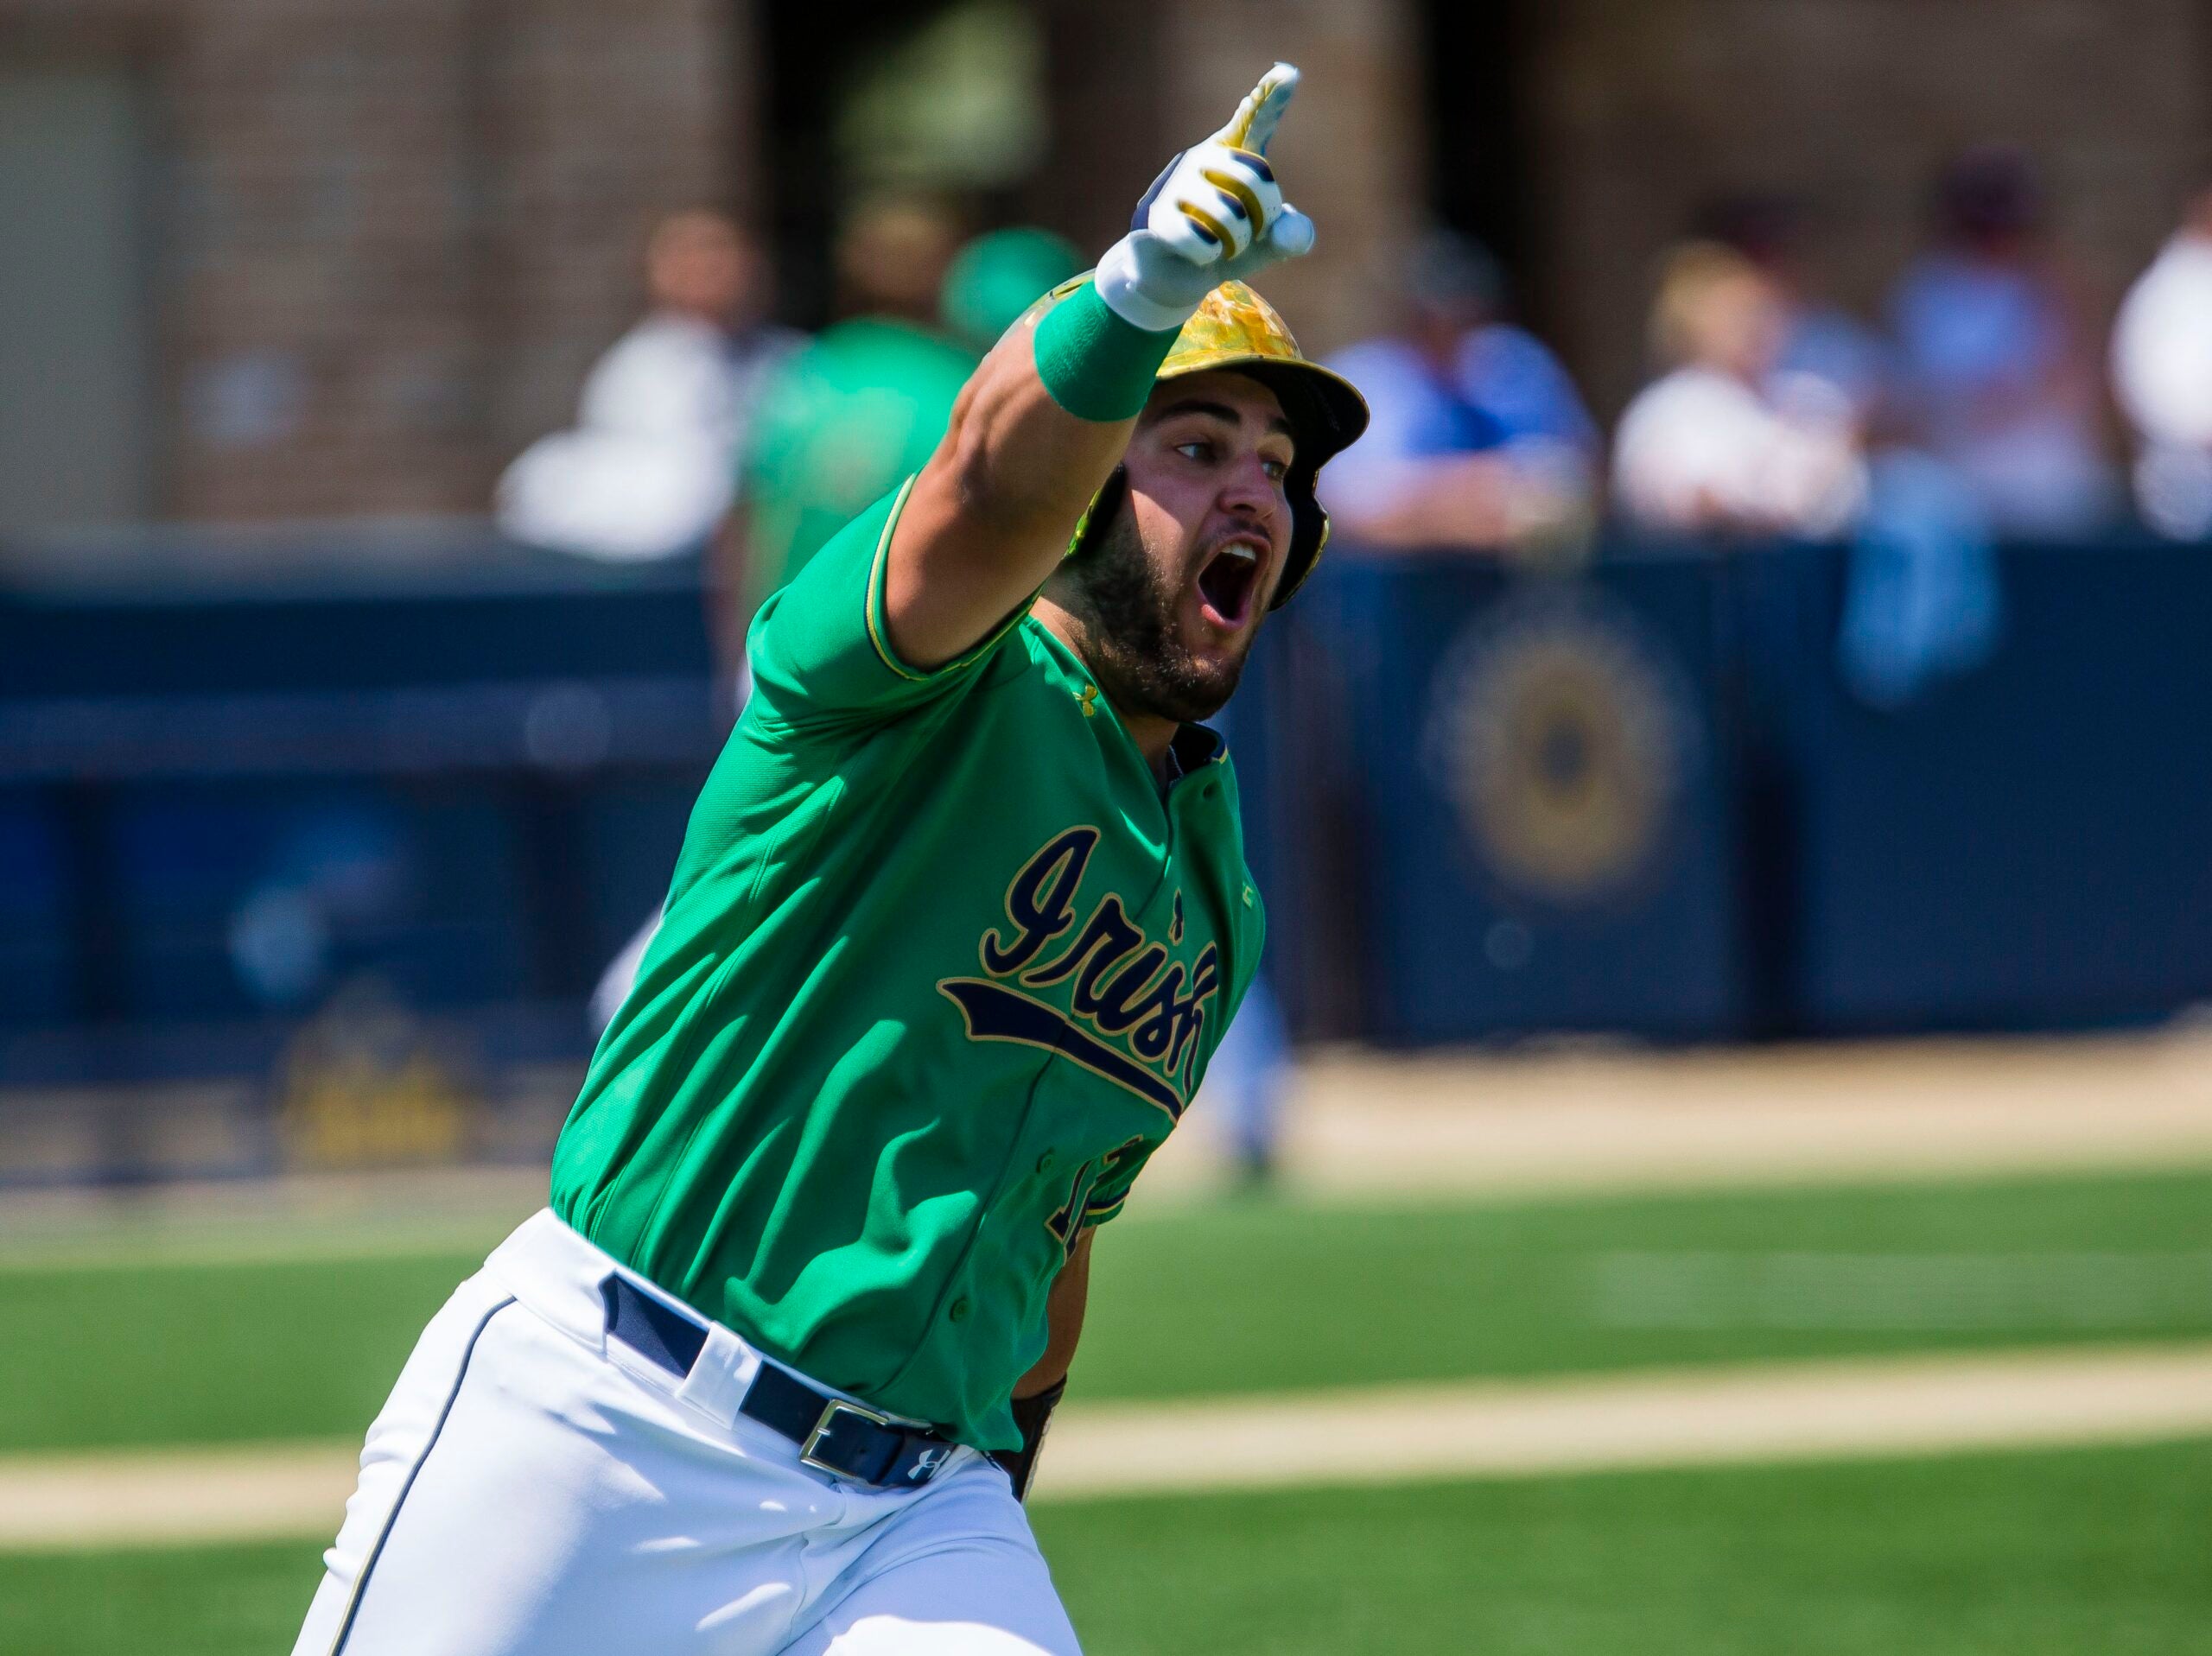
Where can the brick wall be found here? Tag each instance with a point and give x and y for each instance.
(388, 235)
(1351, 152)
(1640, 106)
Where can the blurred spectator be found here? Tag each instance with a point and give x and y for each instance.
(649, 468)
(860, 408)
(864, 405)
(1998, 355)
(1820, 341)
(1921, 600)
(1723, 442)
(850, 417)
(1248, 1080)
(1478, 437)
(2162, 373)
(997, 277)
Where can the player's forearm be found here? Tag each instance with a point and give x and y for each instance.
(1048, 414)
(1038, 428)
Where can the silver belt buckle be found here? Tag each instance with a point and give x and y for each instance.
(827, 1421)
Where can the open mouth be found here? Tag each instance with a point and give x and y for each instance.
(1232, 576)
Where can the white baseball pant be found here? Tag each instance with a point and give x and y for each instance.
(533, 1486)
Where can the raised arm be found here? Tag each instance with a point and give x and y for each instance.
(1044, 421)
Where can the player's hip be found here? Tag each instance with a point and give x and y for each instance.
(705, 1379)
(537, 1482)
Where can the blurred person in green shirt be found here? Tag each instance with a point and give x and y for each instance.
(858, 411)
(863, 406)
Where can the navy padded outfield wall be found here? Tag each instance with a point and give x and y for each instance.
(1641, 799)
(1525, 805)
(221, 805)
(2027, 846)
(1480, 802)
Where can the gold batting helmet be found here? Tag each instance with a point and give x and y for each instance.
(1237, 331)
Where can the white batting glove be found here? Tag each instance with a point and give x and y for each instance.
(1216, 215)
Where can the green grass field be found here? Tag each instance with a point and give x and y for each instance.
(226, 1337)
(1232, 1297)
(2067, 1554)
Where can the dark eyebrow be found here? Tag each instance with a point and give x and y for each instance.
(1222, 412)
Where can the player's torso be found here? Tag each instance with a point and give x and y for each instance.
(922, 1001)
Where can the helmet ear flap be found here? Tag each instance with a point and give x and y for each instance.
(1309, 533)
(1099, 514)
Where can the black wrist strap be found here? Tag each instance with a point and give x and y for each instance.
(1031, 1414)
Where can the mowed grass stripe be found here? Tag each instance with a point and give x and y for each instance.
(1240, 1298)
(2078, 1553)
(1267, 1296)
(2096, 1552)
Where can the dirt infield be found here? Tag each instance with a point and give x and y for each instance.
(1631, 1119)
(1468, 1122)
(261, 1492)
(1769, 1413)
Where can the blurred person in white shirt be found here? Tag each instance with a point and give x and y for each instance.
(1820, 339)
(651, 468)
(2162, 374)
(1722, 443)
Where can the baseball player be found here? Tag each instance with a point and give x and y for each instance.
(961, 916)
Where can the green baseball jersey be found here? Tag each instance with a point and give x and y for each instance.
(941, 967)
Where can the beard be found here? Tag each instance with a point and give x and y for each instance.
(1127, 608)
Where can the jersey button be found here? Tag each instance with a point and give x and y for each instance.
(1044, 1161)
(958, 1309)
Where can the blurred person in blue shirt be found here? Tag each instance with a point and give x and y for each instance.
(1997, 359)
(1922, 602)
(1478, 437)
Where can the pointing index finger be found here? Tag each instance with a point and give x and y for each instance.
(1256, 118)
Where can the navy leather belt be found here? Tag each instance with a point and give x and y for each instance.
(847, 1440)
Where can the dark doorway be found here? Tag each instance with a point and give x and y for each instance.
(1475, 66)
(944, 103)
(808, 51)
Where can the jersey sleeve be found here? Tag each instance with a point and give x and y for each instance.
(820, 648)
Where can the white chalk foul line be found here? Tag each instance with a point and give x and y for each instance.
(1769, 1413)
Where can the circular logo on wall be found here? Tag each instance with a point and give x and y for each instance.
(1561, 730)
